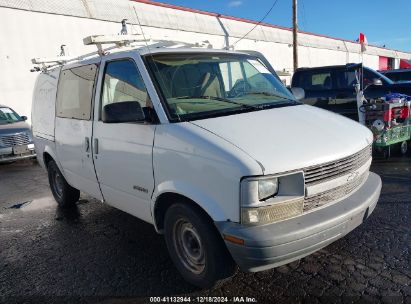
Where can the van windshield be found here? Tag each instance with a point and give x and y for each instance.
(7, 115)
(197, 86)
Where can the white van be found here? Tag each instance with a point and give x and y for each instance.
(209, 147)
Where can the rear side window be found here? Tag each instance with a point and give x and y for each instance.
(314, 81)
(75, 91)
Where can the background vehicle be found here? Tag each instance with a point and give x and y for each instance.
(399, 75)
(201, 144)
(332, 87)
(16, 140)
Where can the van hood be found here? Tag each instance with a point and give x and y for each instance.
(290, 138)
(13, 128)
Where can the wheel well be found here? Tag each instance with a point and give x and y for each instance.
(47, 158)
(165, 200)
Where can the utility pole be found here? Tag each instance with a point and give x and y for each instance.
(295, 40)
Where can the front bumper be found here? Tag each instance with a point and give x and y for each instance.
(276, 244)
(6, 155)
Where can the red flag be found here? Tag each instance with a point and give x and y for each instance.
(363, 41)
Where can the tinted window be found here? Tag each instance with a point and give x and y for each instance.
(123, 82)
(399, 76)
(7, 115)
(315, 81)
(75, 91)
(346, 79)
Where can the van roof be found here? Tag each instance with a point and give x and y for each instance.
(147, 51)
(143, 51)
(395, 71)
(348, 65)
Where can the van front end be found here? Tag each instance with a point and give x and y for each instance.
(307, 211)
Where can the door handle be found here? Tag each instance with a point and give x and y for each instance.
(87, 144)
(95, 146)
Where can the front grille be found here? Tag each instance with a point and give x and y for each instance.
(335, 194)
(14, 140)
(321, 173)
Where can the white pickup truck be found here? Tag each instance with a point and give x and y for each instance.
(209, 147)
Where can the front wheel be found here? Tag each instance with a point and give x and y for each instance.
(64, 194)
(404, 147)
(196, 247)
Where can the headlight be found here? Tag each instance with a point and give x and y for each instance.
(268, 199)
(267, 188)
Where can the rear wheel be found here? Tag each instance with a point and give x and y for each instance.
(64, 194)
(196, 247)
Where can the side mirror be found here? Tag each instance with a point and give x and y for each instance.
(126, 111)
(377, 82)
(373, 82)
(298, 93)
(24, 118)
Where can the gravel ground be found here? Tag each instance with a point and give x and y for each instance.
(95, 253)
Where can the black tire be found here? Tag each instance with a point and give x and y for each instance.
(403, 148)
(64, 194)
(387, 152)
(212, 263)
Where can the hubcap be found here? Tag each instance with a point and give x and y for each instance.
(189, 247)
(404, 147)
(58, 183)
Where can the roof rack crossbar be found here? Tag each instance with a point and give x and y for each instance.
(132, 41)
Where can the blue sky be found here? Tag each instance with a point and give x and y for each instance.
(383, 22)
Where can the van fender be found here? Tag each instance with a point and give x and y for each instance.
(186, 189)
(49, 150)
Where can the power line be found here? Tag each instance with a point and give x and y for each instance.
(304, 19)
(303, 15)
(258, 23)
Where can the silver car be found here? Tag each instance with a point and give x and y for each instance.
(16, 140)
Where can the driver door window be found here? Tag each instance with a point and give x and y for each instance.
(123, 83)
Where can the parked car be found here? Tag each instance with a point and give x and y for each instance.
(16, 140)
(332, 87)
(399, 75)
(220, 158)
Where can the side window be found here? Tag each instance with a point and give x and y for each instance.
(231, 74)
(259, 77)
(321, 81)
(123, 83)
(346, 79)
(313, 80)
(75, 91)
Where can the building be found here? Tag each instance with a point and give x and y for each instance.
(37, 28)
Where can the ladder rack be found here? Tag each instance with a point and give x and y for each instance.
(119, 41)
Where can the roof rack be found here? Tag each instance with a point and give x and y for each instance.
(119, 41)
(58, 59)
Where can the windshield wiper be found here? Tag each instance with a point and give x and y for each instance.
(272, 95)
(243, 105)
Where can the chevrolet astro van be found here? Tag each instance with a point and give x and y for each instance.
(209, 147)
